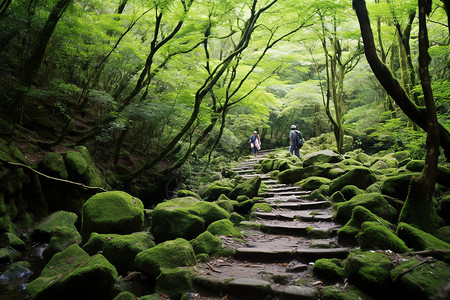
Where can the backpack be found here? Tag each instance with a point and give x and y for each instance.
(298, 140)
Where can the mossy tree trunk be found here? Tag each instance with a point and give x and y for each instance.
(418, 208)
(390, 84)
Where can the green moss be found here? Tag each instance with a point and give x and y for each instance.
(242, 198)
(174, 282)
(316, 195)
(337, 197)
(203, 257)
(324, 189)
(334, 292)
(244, 207)
(350, 191)
(228, 205)
(418, 239)
(112, 212)
(312, 183)
(207, 243)
(359, 176)
(424, 281)
(360, 215)
(314, 233)
(373, 235)
(443, 234)
(210, 212)
(11, 239)
(73, 272)
(8, 254)
(120, 250)
(248, 188)
(236, 218)
(223, 227)
(187, 193)
(364, 158)
(125, 295)
(43, 230)
(369, 270)
(329, 269)
(62, 238)
(372, 201)
(265, 207)
(217, 188)
(170, 254)
(76, 164)
(53, 164)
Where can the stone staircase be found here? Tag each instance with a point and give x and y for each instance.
(274, 258)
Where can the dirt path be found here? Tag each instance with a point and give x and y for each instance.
(275, 256)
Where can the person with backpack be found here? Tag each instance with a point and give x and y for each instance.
(296, 140)
(255, 142)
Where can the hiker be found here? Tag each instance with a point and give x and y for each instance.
(296, 140)
(255, 142)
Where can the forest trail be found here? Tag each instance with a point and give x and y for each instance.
(276, 254)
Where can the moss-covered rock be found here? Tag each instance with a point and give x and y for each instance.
(207, 243)
(379, 165)
(244, 207)
(228, 205)
(329, 269)
(169, 254)
(112, 212)
(8, 254)
(334, 292)
(444, 208)
(443, 234)
(125, 295)
(223, 227)
(312, 183)
(364, 158)
(369, 270)
(397, 186)
(236, 218)
(76, 164)
(359, 176)
(242, 198)
(296, 174)
(43, 230)
(53, 164)
(321, 157)
(62, 238)
(360, 214)
(208, 211)
(187, 193)
(350, 191)
(11, 239)
(337, 197)
(423, 280)
(372, 201)
(174, 282)
(418, 239)
(73, 272)
(374, 235)
(120, 250)
(248, 188)
(264, 207)
(217, 188)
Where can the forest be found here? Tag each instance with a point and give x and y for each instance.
(154, 100)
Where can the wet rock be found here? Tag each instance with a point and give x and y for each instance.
(112, 212)
(15, 273)
(350, 191)
(73, 272)
(169, 254)
(120, 250)
(374, 235)
(8, 254)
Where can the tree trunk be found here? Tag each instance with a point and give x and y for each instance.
(390, 84)
(3, 7)
(418, 208)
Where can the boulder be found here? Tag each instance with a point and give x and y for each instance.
(359, 176)
(11, 239)
(397, 186)
(329, 269)
(349, 162)
(264, 207)
(334, 292)
(418, 239)
(293, 175)
(360, 214)
(53, 165)
(112, 212)
(374, 235)
(76, 165)
(364, 158)
(337, 197)
(120, 250)
(372, 201)
(44, 229)
(443, 234)
(350, 191)
(207, 243)
(217, 188)
(73, 272)
(15, 273)
(422, 280)
(223, 227)
(62, 238)
(380, 165)
(369, 271)
(248, 188)
(321, 157)
(187, 193)
(169, 254)
(313, 182)
(174, 282)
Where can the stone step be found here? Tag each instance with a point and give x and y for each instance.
(286, 193)
(283, 188)
(302, 255)
(295, 215)
(300, 205)
(326, 229)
